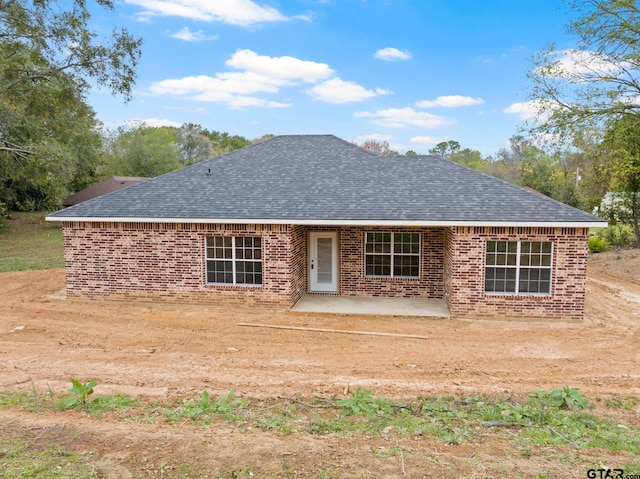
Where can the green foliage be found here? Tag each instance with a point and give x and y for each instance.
(206, 406)
(80, 393)
(617, 235)
(565, 398)
(51, 55)
(598, 244)
(362, 401)
(140, 151)
(622, 402)
(445, 149)
(621, 148)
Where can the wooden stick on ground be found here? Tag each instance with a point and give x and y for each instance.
(342, 331)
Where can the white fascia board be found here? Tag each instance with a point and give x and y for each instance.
(257, 221)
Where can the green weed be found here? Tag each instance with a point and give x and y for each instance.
(207, 406)
(80, 393)
(363, 402)
(565, 398)
(622, 402)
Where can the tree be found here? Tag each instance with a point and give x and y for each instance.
(381, 147)
(582, 89)
(445, 148)
(194, 144)
(48, 140)
(48, 58)
(223, 142)
(141, 151)
(468, 157)
(622, 147)
(411, 153)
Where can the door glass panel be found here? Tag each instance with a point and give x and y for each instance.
(325, 261)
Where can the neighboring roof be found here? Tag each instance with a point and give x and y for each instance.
(109, 185)
(321, 179)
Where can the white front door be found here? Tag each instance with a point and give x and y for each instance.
(323, 262)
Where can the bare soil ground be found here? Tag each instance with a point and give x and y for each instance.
(174, 350)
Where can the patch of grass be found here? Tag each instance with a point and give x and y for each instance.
(28, 400)
(622, 402)
(27, 241)
(206, 406)
(549, 419)
(23, 458)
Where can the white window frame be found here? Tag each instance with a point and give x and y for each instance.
(518, 268)
(233, 260)
(392, 254)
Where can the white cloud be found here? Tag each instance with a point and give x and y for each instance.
(240, 102)
(261, 74)
(390, 54)
(188, 36)
(279, 67)
(235, 12)
(450, 101)
(223, 83)
(339, 91)
(152, 122)
(403, 118)
(526, 110)
(578, 66)
(426, 140)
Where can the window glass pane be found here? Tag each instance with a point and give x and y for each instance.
(220, 259)
(546, 260)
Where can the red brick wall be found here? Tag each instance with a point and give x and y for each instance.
(166, 262)
(353, 281)
(464, 272)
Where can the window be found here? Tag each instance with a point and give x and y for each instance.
(234, 260)
(392, 254)
(518, 267)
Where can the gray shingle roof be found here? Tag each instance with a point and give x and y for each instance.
(323, 179)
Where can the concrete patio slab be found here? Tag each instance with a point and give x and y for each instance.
(316, 303)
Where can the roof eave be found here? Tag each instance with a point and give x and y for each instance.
(331, 222)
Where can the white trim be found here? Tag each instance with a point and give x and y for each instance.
(258, 221)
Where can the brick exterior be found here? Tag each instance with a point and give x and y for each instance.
(464, 274)
(353, 281)
(165, 261)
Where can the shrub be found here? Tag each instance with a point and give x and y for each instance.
(597, 244)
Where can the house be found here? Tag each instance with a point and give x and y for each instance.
(314, 214)
(102, 188)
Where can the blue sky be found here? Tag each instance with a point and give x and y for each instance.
(412, 73)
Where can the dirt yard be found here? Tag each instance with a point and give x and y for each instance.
(163, 351)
